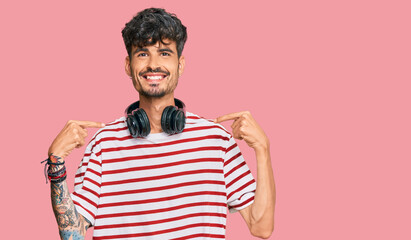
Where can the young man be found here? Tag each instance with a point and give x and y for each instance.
(161, 172)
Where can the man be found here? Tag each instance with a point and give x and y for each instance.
(139, 179)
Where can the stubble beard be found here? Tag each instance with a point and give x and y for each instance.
(154, 91)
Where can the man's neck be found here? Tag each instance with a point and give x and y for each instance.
(154, 108)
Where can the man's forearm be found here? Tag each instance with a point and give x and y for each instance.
(71, 224)
(262, 211)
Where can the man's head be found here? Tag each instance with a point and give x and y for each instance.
(154, 41)
(152, 25)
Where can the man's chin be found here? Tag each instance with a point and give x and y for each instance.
(153, 94)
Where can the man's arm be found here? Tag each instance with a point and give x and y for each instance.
(259, 216)
(71, 224)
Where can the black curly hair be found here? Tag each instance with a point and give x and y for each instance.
(152, 25)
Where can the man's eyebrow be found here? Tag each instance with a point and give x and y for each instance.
(165, 50)
(140, 50)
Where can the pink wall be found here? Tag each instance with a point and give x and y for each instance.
(329, 82)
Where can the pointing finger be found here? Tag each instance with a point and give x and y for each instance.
(235, 123)
(230, 116)
(89, 124)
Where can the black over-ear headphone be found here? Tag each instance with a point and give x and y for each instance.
(173, 119)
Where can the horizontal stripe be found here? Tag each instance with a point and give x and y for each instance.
(115, 122)
(91, 191)
(101, 131)
(162, 188)
(171, 175)
(188, 205)
(193, 117)
(157, 166)
(94, 172)
(241, 188)
(145, 146)
(232, 159)
(169, 198)
(85, 209)
(234, 168)
(135, 224)
(164, 165)
(122, 122)
(166, 154)
(87, 179)
(204, 128)
(128, 137)
(231, 147)
(238, 178)
(84, 164)
(242, 204)
(85, 199)
(208, 235)
(216, 225)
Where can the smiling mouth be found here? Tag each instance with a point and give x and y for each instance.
(154, 77)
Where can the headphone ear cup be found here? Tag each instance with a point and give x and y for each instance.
(132, 125)
(165, 119)
(143, 123)
(172, 121)
(180, 121)
(138, 126)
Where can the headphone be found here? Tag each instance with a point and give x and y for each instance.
(173, 119)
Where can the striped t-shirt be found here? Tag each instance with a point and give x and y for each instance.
(162, 186)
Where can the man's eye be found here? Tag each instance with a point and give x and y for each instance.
(142, 55)
(165, 54)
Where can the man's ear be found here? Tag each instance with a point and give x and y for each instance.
(127, 66)
(181, 65)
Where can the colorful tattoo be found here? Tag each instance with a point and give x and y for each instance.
(71, 224)
(70, 234)
(54, 159)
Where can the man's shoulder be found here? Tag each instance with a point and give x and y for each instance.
(195, 122)
(111, 128)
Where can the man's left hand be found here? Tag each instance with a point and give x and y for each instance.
(246, 128)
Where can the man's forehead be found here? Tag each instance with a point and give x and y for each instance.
(165, 43)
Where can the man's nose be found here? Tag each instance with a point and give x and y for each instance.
(153, 62)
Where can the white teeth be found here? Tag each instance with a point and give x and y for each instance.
(154, 77)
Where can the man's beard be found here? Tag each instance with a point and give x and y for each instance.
(156, 93)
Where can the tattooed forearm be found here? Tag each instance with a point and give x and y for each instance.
(71, 223)
(55, 168)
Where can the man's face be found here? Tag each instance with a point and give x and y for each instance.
(155, 69)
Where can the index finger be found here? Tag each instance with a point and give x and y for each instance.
(89, 124)
(230, 116)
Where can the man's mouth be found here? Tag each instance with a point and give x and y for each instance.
(154, 77)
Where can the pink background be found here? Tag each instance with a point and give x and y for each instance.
(329, 82)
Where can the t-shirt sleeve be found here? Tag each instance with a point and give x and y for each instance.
(87, 183)
(239, 181)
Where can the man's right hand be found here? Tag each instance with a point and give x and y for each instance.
(71, 136)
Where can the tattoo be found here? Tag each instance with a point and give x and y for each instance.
(71, 234)
(88, 223)
(53, 158)
(55, 168)
(71, 224)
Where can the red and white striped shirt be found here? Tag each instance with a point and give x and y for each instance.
(162, 186)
